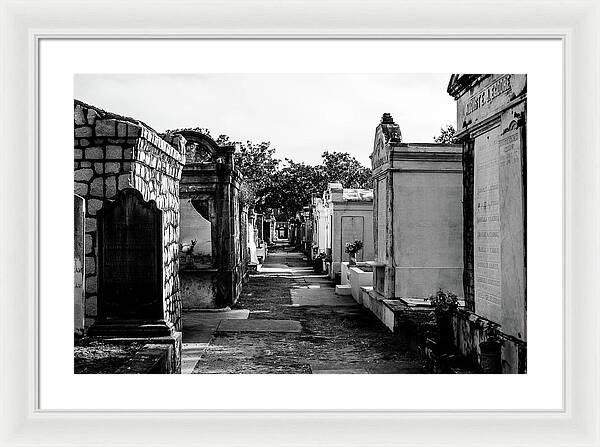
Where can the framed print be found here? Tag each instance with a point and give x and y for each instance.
(293, 226)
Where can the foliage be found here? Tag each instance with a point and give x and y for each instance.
(446, 135)
(259, 166)
(354, 247)
(343, 168)
(444, 302)
(295, 183)
(288, 188)
(292, 187)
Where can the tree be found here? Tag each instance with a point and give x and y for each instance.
(259, 166)
(289, 188)
(446, 135)
(343, 168)
(293, 186)
(295, 183)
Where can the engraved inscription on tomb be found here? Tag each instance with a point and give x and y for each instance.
(487, 227)
(488, 94)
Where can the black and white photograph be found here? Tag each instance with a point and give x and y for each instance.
(300, 223)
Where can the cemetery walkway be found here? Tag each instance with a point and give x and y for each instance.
(289, 320)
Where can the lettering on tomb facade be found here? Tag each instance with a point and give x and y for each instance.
(486, 202)
(488, 94)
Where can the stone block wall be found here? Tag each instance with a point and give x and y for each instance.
(112, 152)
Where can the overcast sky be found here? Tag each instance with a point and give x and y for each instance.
(302, 115)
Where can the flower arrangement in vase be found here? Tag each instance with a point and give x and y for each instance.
(352, 248)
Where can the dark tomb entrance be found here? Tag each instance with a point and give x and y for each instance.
(130, 266)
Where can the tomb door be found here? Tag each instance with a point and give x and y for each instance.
(352, 230)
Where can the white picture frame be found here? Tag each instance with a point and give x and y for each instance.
(24, 24)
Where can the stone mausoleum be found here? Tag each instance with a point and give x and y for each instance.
(491, 126)
(213, 235)
(127, 178)
(346, 215)
(418, 216)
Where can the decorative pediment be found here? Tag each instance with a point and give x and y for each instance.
(387, 134)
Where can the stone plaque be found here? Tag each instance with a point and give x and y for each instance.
(486, 229)
(382, 223)
(79, 265)
(490, 95)
(512, 225)
(353, 228)
(130, 259)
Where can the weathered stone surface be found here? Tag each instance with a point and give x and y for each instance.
(81, 188)
(83, 175)
(105, 128)
(201, 325)
(111, 167)
(90, 224)
(94, 153)
(81, 132)
(93, 206)
(111, 186)
(486, 219)
(97, 187)
(114, 152)
(88, 244)
(494, 108)
(124, 181)
(159, 183)
(133, 130)
(122, 129)
(79, 118)
(78, 154)
(90, 286)
(91, 116)
(319, 297)
(90, 265)
(512, 229)
(259, 326)
(91, 306)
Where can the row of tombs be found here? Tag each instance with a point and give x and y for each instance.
(160, 226)
(447, 217)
